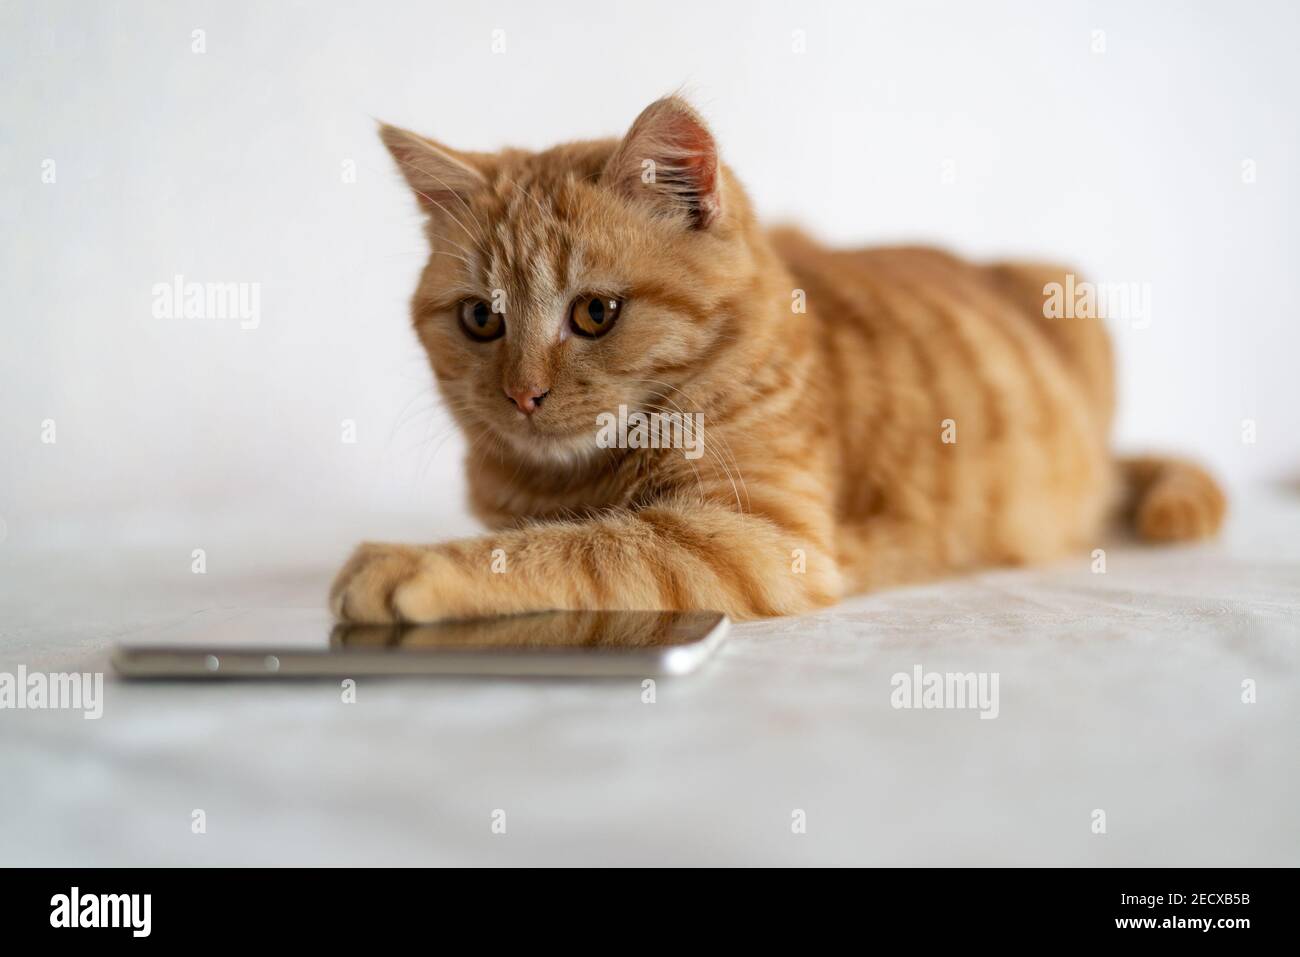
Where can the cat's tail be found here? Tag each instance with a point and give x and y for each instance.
(1170, 499)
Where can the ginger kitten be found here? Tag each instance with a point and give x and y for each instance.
(921, 417)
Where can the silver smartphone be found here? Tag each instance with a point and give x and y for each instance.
(287, 643)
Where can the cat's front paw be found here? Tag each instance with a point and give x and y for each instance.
(365, 589)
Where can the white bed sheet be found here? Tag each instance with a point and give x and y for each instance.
(1119, 691)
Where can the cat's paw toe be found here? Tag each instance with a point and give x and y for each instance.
(364, 588)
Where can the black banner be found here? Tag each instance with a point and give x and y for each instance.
(1157, 906)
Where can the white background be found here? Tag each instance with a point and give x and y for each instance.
(226, 166)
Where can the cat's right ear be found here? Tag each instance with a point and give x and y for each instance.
(669, 160)
(440, 177)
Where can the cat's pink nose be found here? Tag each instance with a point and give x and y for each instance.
(527, 399)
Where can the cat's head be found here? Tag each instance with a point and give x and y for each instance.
(564, 283)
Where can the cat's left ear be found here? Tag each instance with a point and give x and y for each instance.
(438, 174)
(670, 160)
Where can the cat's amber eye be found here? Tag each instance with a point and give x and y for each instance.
(593, 316)
(480, 322)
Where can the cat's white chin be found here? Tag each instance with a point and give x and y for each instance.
(567, 449)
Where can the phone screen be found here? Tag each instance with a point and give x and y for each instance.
(591, 630)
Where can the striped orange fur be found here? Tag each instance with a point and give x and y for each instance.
(871, 417)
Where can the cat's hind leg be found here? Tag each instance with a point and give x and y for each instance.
(1165, 499)
(1081, 340)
